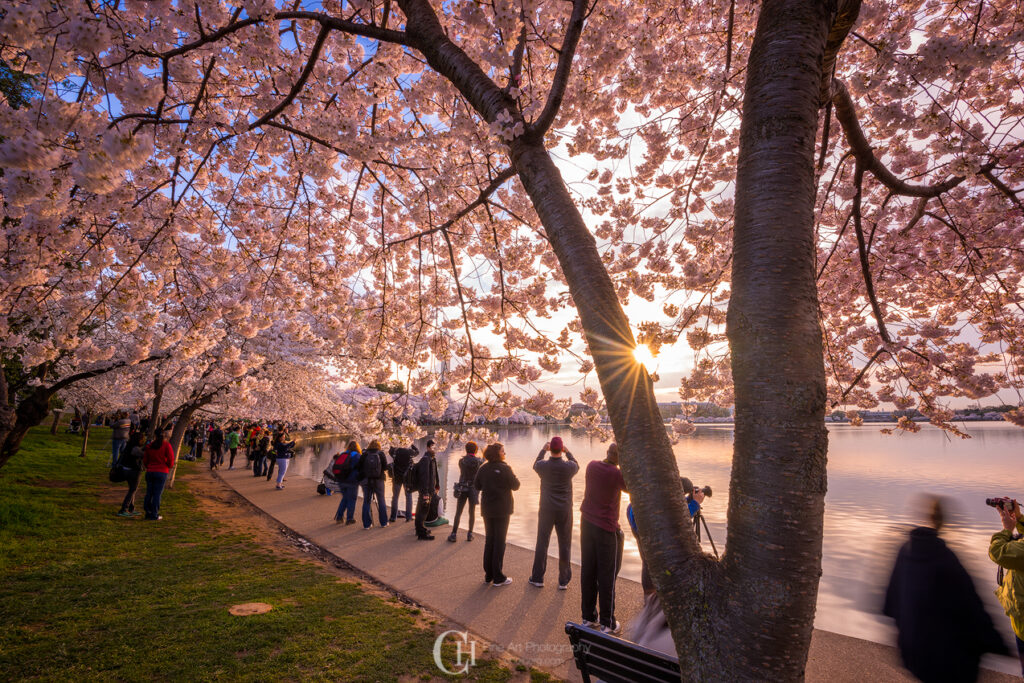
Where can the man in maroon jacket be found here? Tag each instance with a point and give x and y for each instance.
(601, 541)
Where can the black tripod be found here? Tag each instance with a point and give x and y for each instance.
(698, 520)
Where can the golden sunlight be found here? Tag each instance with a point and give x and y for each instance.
(642, 354)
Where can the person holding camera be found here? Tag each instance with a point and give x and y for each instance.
(465, 492)
(1007, 550)
(555, 512)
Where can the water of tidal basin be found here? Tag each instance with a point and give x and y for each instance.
(873, 480)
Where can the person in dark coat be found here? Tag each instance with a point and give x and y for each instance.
(496, 482)
(373, 472)
(943, 628)
(401, 461)
(427, 484)
(131, 464)
(469, 465)
(555, 512)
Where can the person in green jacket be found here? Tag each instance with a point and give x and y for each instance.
(232, 441)
(1008, 553)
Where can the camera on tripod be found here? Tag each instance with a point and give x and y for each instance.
(706, 490)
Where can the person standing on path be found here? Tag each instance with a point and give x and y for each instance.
(131, 463)
(200, 439)
(1007, 551)
(233, 439)
(496, 482)
(283, 452)
(427, 483)
(347, 478)
(401, 461)
(122, 428)
(942, 626)
(555, 512)
(158, 459)
(601, 541)
(465, 490)
(373, 471)
(216, 447)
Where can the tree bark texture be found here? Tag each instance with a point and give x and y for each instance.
(55, 423)
(176, 436)
(777, 489)
(86, 426)
(32, 410)
(7, 415)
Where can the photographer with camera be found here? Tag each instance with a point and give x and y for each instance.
(1007, 551)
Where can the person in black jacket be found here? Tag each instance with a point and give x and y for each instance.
(373, 471)
(943, 628)
(427, 483)
(216, 447)
(465, 491)
(401, 461)
(131, 464)
(496, 482)
(556, 475)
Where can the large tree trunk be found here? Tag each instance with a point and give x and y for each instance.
(777, 490)
(7, 414)
(56, 422)
(179, 431)
(31, 411)
(154, 415)
(87, 422)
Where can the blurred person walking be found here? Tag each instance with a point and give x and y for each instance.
(1007, 550)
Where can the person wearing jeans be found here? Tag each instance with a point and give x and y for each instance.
(284, 453)
(496, 482)
(373, 468)
(601, 541)
(401, 461)
(349, 487)
(158, 459)
(555, 512)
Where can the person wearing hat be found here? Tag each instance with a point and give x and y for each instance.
(556, 473)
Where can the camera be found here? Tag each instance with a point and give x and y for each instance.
(1003, 503)
(706, 490)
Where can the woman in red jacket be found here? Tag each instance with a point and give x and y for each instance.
(158, 458)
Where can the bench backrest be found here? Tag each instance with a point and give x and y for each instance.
(614, 660)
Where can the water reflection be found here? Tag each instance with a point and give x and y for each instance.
(868, 510)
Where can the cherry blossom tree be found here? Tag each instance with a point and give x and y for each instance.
(389, 168)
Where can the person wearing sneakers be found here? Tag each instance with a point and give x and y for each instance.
(469, 465)
(601, 541)
(496, 482)
(158, 459)
(556, 475)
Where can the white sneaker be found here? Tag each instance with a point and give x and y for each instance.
(612, 630)
(563, 586)
(592, 624)
(504, 583)
(538, 584)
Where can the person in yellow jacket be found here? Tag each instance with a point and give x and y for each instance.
(1008, 553)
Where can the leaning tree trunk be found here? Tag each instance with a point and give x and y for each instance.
(158, 394)
(30, 411)
(777, 489)
(87, 421)
(56, 422)
(179, 431)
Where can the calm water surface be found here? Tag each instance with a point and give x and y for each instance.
(873, 480)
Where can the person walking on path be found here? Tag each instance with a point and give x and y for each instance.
(496, 482)
(427, 483)
(601, 541)
(216, 447)
(260, 465)
(158, 459)
(283, 453)
(555, 512)
(942, 626)
(346, 473)
(232, 440)
(373, 471)
(465, 490)
(122, 428)
(401, 461)
(1007, 551)
(131, 464)
(199, 441)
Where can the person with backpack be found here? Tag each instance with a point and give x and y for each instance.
(373, 470)
(496, 481)
(555, 512)
(465, 491)
(158, 459)
(232, 440)
(401, 461)
(345, 470)
(426, 483)
(216, 447)
(131, 464)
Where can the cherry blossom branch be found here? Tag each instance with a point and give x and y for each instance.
(988, 175)
(858, 180)
(560, 81)
(300, 83)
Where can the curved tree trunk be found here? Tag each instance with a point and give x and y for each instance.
(56, 422)
(30, 411)
(179, 431)
(87, 425)
(777, 490)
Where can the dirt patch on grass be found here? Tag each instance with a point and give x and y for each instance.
(55, 484)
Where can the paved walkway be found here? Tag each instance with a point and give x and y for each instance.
(527, 621)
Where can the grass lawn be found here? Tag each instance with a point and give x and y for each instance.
(87, 595)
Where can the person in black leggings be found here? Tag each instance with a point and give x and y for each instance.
(466, 492)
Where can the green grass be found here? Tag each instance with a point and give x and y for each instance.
(87, 595)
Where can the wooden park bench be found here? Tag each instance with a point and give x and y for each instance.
(614, 660)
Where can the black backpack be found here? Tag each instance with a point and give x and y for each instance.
(412, 478)
(372, 466)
